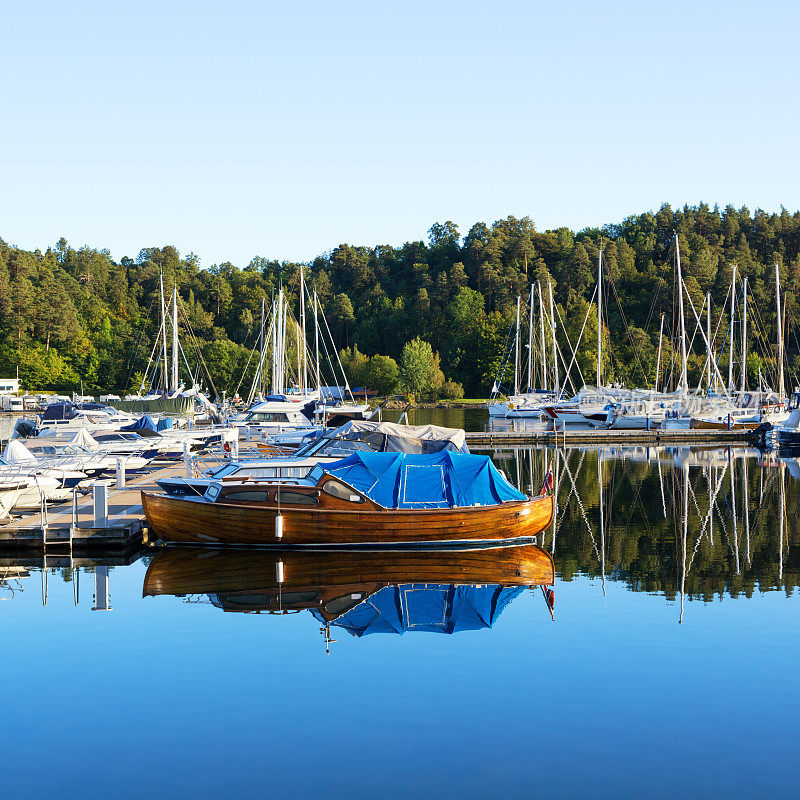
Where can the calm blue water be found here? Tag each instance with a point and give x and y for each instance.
(167, 697)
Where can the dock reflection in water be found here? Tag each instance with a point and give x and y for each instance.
(361, 592)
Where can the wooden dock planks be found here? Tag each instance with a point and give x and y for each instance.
(125, 519)
(632, 437)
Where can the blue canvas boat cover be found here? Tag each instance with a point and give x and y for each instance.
(165, 424)
(431, 480)
(143, 423)
(435, 608)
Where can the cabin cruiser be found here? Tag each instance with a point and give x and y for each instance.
(84, 457)
(588, 407)
(10, 491)
(282, 421)
(788, 433)
(353, 436)
(83, 452)
(52, 484)
(94, 415)
(523, 406)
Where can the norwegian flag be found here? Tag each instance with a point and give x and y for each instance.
(549, 598)
(547, 486)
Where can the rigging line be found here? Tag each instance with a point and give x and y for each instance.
(653, 303)
(583, 511)
(767, 351)
(198, 351)
(699, 326)
(578, 343)
(507, 356)
(627, 327)
(139, 339)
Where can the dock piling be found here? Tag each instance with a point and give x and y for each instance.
(100, 495)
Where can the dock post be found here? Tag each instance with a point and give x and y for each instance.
(101, 595)
(235, 449)
(100, 495)
(120, 473)
(187, 458)
(43, 515)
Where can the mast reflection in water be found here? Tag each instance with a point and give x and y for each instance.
(688, 523)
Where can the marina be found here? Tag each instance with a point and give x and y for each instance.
(672, 561)
(399, 402)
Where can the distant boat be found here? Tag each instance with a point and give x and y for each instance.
(366, 499)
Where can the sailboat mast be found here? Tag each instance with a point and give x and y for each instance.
(261, 350)
(174, 338)
(530, 344)
(599, 317)
(541, 328)
(658, 359)
(304, 383)
(164, 330)
(516, 352)
(780, 333)
(733, 311)
(602, 520)
(553, 331)
(316, 344)
(708, 339)
(743, 383)
(684, 383)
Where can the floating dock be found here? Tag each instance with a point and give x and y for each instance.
(65, 526)
(562, 438)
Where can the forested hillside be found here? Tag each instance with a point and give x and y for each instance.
(68, 314)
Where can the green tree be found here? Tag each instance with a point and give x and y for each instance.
(420, 373)
(382, 374)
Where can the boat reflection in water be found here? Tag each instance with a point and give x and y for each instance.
(444, 591)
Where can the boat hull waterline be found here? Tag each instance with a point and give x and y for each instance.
(189, 521)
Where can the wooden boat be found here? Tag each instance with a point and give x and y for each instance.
(330, 583)
(340, 505)
(717, 425)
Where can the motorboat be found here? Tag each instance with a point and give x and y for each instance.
(276, 418)
(395, 499)
(10, 490)
(788, 433)
(531, 405)
(332, 445)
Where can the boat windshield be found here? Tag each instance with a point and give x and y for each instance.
(337, 448)
(228, 469)
(311, 447)
(267, 416)
(316, 474)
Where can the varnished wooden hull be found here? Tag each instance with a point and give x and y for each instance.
(178, 519)
(710, 425)
(247, 580)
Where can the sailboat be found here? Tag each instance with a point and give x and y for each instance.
(528, 404)
(290, 405)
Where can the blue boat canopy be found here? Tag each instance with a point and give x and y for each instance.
(145, 423)
(432, 480)
(434, 608)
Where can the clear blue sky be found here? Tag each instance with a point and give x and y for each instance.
(282, 129)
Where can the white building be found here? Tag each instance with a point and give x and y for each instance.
(9, 385)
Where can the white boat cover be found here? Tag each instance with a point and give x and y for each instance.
(17, 453)
(84, 439)
(394, 438)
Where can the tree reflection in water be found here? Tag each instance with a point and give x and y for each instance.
(670, 520)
